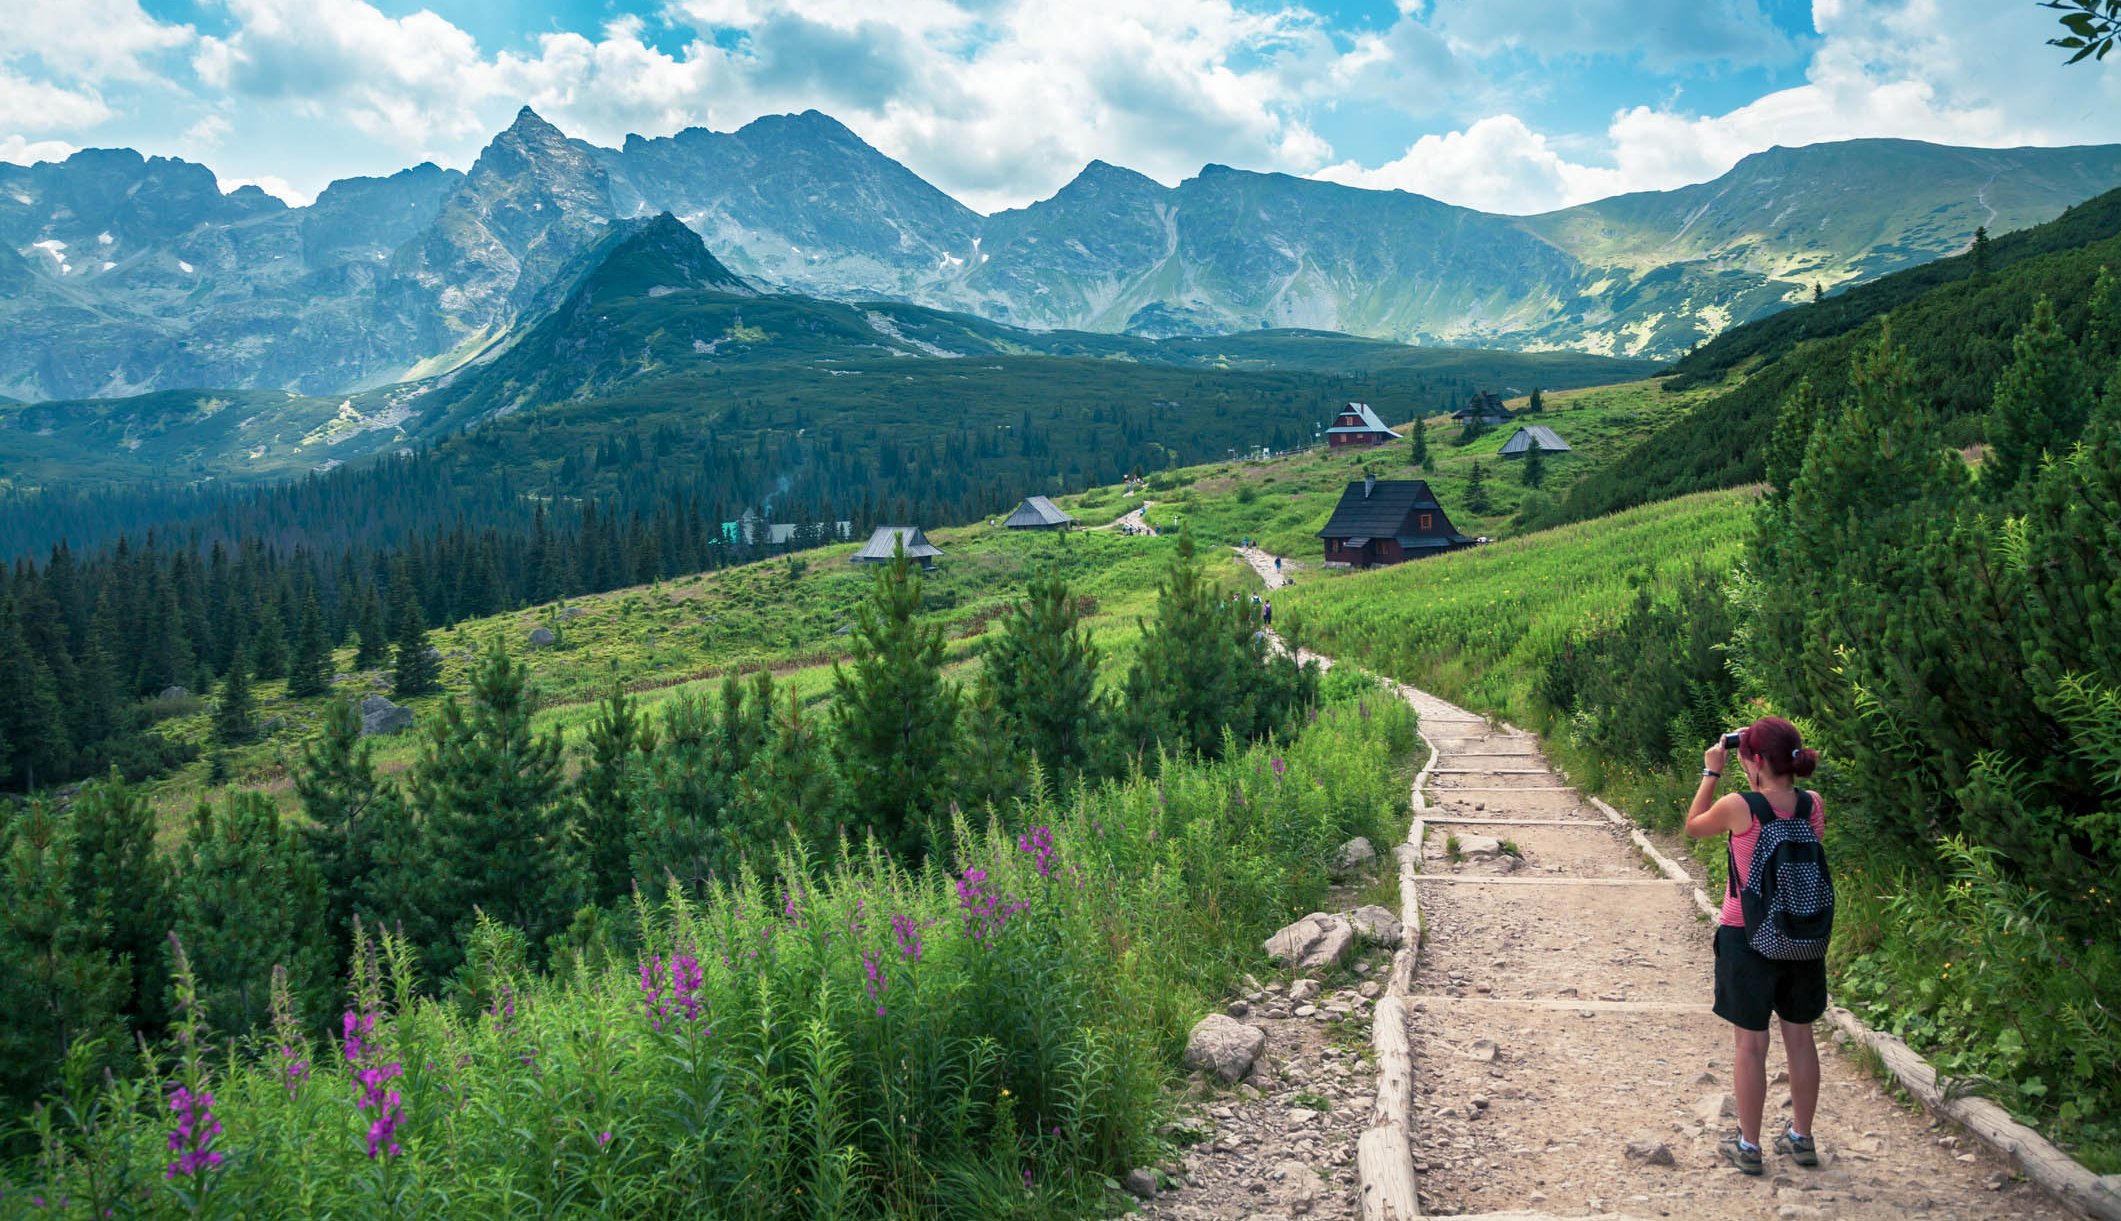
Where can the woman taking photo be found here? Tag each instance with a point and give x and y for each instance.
(1751, 987)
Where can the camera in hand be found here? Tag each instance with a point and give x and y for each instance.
(1730, 740)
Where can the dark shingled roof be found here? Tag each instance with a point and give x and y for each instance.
(1036, 512)
(1383, 512)
(879, 547)
(1524, 439)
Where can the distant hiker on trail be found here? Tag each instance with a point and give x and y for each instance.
(1266, 615)
(1771, 938)
(1277, 563)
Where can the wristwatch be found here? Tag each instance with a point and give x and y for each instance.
(1712, 775)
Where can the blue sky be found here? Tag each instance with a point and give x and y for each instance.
(1509, 105)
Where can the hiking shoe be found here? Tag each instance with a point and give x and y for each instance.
(1746, 1160)
(1802, 1150)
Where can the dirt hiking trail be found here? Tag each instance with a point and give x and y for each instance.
(1566, 1062)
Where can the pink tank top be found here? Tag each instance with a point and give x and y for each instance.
(1742, 852)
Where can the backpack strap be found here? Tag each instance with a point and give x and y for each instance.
(1804, 805)
(1754, 803)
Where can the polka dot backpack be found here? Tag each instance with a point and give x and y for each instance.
(1788, 897)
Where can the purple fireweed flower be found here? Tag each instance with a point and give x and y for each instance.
(680, 974)
(984, 912)
(195, 1131)
(503, 1011)
(686, 981)
(294, 1069)
(908, 935)
(1038, 842)
(603, 1139)
(877, 984)
(855, 926)
(1280, 768)
(372, 1077)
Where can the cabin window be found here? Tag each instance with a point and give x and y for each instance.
(1427, 521)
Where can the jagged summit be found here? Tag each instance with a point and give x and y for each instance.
(647, 254)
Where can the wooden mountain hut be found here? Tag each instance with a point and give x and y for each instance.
(1358, 425)
(1387, 522)
(883, 543)
(1531, 437)
(1486, 408)
(1038, 513)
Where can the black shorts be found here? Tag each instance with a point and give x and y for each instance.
(1751, 987)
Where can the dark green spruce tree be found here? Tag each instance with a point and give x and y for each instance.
(1042, 673)
(309, 661)
(1534, 473)
(58, 981)
(371, 631)
(491, 794)
(1418, 453)
(337, 784)
(268, 641)
(1477, 491)
(895, 716)
(247, 898)
(414, 671)
(678, 829)
(122, 884)
(34, 748)
(233, 720)
(619, 740)
(789, 791)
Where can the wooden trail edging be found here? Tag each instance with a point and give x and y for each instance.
(1384, 1154)
(2049, 1168)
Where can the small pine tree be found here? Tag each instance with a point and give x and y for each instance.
(1979, 252)
(247, 898)
(2043, 398)
(789, 789)
(1535, 467)
(1418, 453)
(59, 985)
(1042, 675)
(895, 718)
(414, 671)
(618, 740)
(1538, 401)
(309, 662)
(268, 643)
(677, 825)
(1818, 294)
(1477, 491)
(232, 711)
(490, 792)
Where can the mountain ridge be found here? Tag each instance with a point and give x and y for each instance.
(385, 279)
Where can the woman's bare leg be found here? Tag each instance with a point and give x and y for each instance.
(1803, 1055)
(1749, 1079)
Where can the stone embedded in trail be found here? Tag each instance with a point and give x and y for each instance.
(1484, 1050)
(1303, 990)
(1224, 1046)
(1315, 941)
(1479, 847)
(1651, 1153)
(379, 715)
(1714, 1109)
(1376, 925)
(1352, 857)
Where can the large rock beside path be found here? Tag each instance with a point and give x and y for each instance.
(1224, 1046)
(379, 715)
(1352, 858)
(1376, 925)
(1315, 941)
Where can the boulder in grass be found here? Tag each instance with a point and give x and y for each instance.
(542, 636)
(1352, 858)
(1222, 1045)
(173, 693)
(1316, 941)
(379, 715)
(1376, 925)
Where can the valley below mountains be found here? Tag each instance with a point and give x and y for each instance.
(122, 275)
